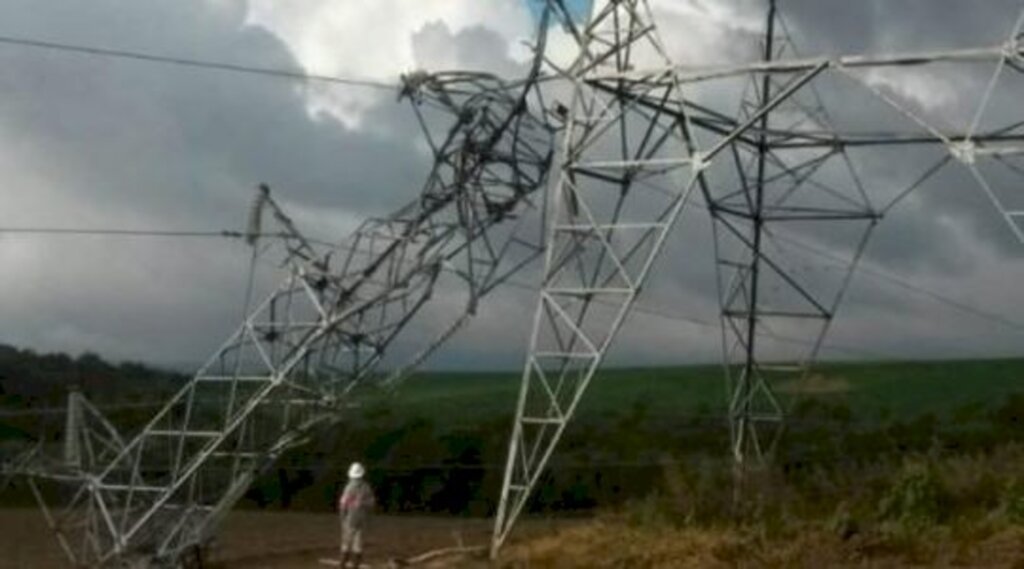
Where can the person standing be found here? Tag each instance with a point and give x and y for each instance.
(354, 508)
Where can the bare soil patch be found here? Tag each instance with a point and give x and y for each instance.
(279, 540)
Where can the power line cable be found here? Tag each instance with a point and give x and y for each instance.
(234, 234)
(288, 74)
(298, 75)
(638, 307)
(882, 275)
(173, 233)
(197, 63)
(124, 232)
(664, 314)
(907, 285)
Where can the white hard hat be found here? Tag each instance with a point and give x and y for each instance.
(356, 470)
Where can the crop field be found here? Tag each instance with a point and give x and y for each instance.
(870, 390)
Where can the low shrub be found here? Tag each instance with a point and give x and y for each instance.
(916, 499)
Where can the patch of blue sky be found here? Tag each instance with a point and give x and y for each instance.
(579, 9)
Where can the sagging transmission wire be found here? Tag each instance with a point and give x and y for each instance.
(639, 307)
(121, 232)
(874, 272)
(291, 74)
(197, 63)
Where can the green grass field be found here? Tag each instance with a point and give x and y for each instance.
(869, 390)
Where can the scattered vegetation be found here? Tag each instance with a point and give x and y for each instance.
(926, 509)
(31, 380)
(904, 463)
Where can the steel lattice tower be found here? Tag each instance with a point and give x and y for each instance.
(753, 143)
(771, 172)
(297, 361)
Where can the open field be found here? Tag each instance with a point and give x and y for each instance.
(648, 457)
(870, 389)
(254, 540)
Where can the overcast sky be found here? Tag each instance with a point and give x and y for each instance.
(95, 142)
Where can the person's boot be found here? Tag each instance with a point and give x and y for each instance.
(345, 556)
(358, 558)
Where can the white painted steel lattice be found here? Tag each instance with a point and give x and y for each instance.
(291, 369)
(775, 171)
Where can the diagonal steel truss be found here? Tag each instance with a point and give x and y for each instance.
(601, 246)
(302, 351)
(641, 143)
(771, 173)
(759, 290)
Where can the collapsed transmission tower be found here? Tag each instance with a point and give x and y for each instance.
(765, 146)
(757, 145)
(156, 497)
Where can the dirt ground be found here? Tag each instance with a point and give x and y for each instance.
(280, 540)
(274, 540)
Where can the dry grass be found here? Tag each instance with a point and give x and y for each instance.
(293, 541)
(609, 543)
(957, 510)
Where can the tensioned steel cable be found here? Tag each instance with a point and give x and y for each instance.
(118, 232)
(640, 308)
(199, 63)
(124, 232)
(909, 286)
(886, 277)
(295, 75)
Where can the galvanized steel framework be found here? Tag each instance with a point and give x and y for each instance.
(770, 173)
(641, 142)
(294, 364)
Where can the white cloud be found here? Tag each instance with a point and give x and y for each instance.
(354, 38)
(705, 32)
(922, 88)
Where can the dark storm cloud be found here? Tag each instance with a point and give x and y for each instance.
(116, 143)
(947, 235)
(173, 139)
(897, 25)
(916, 235)
(92, 141)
